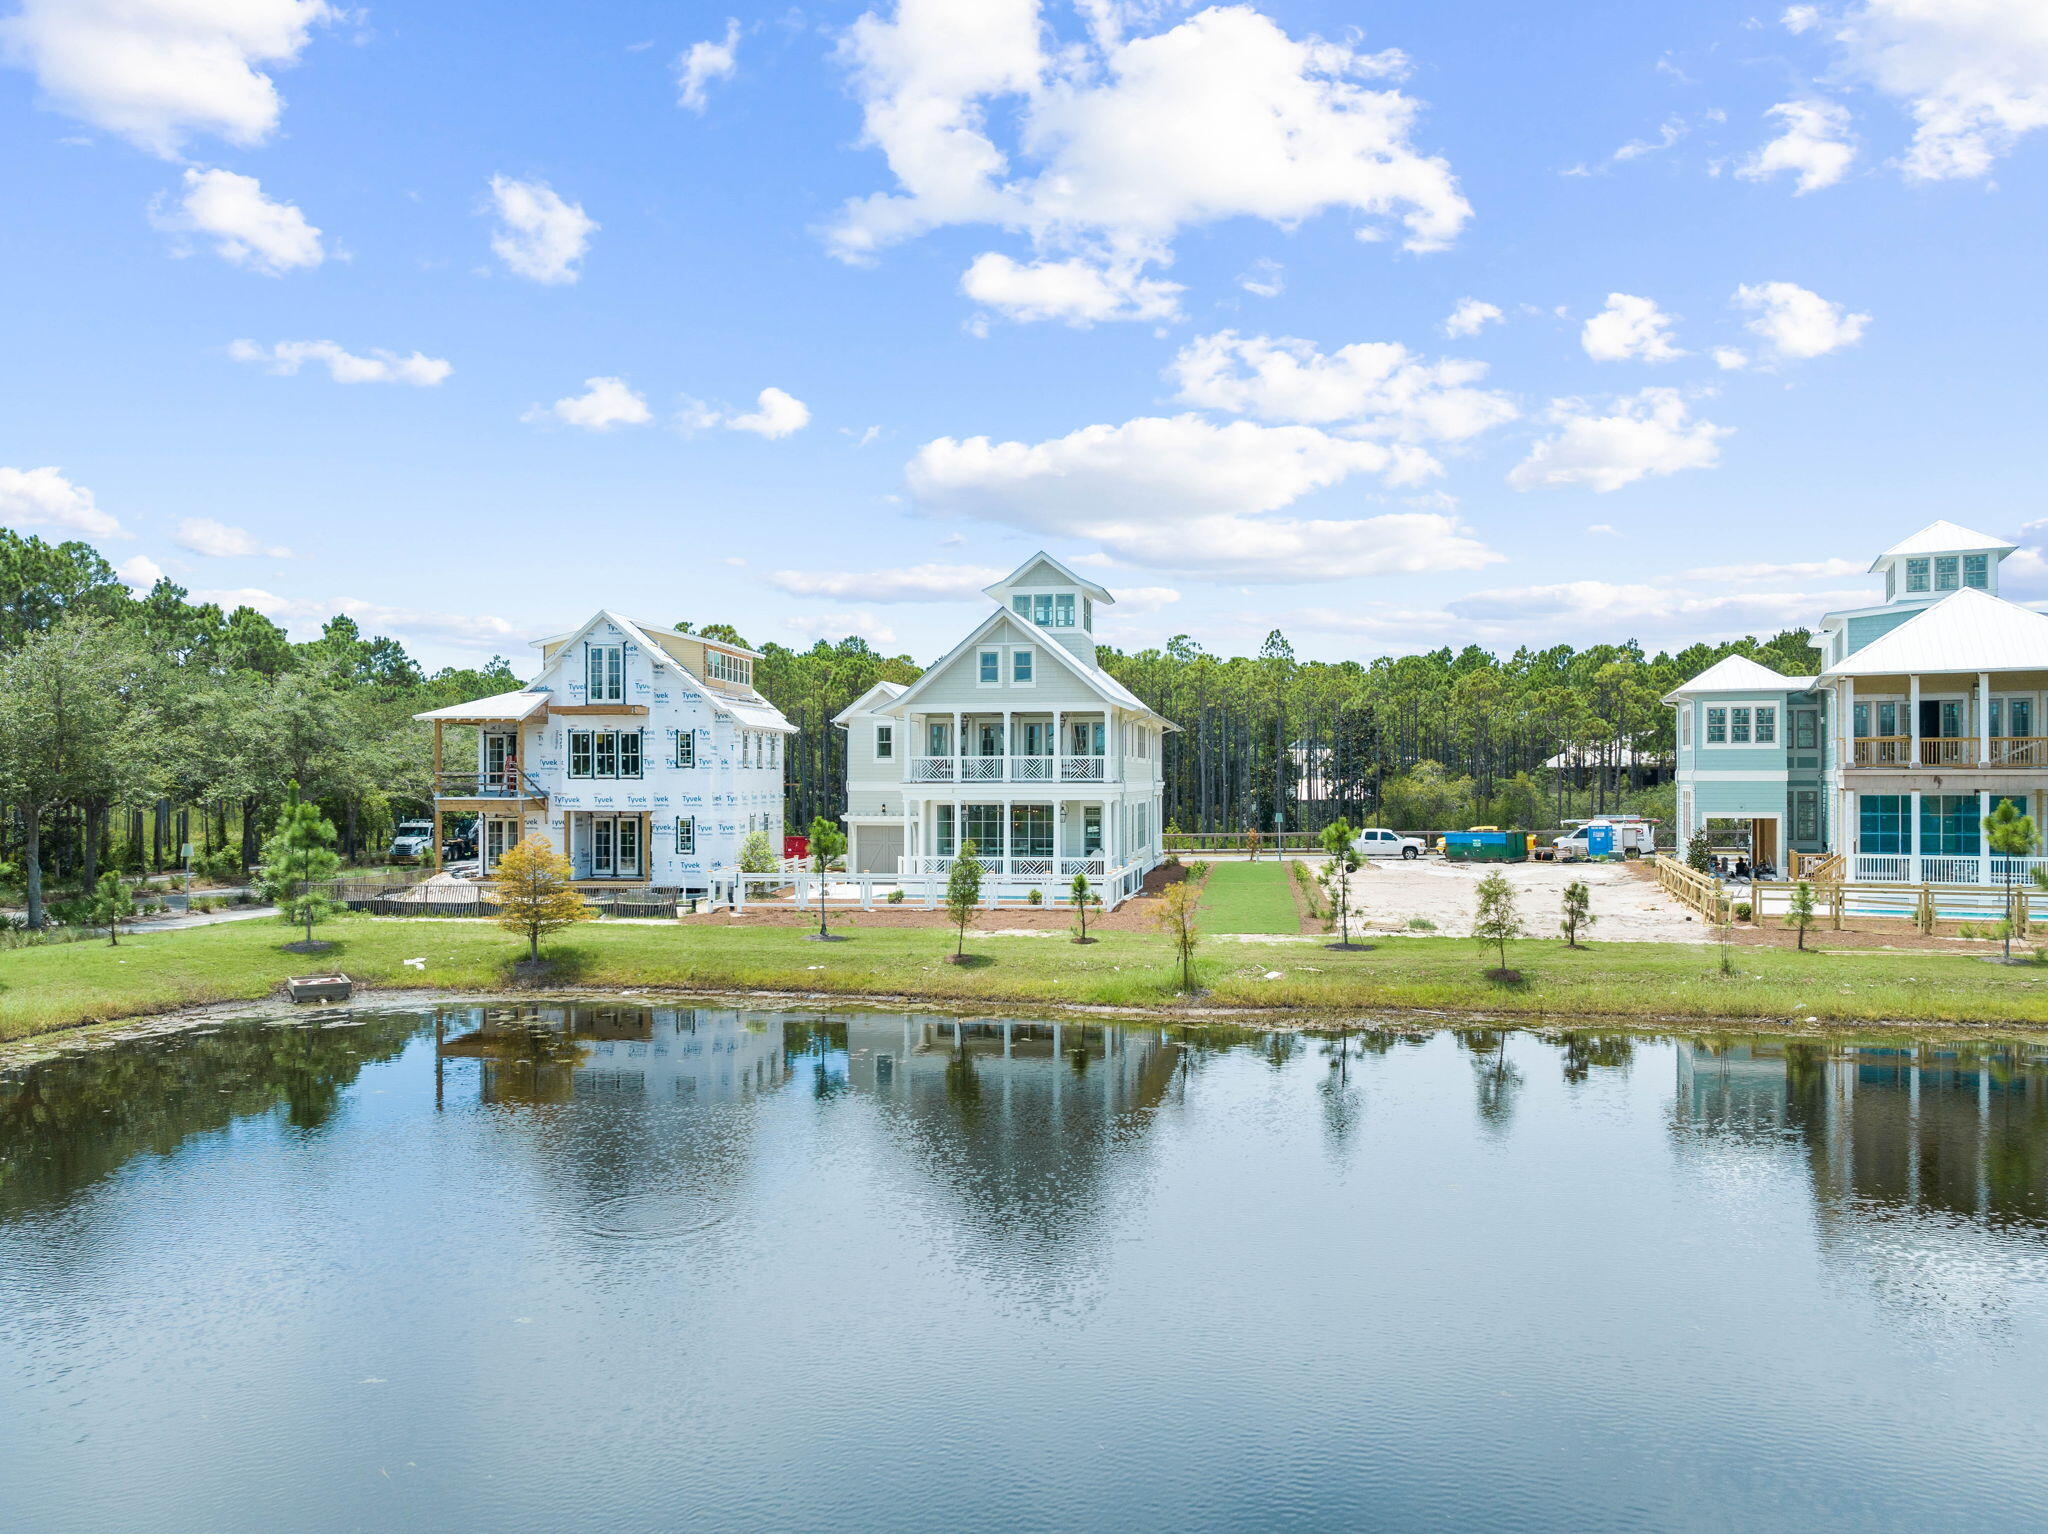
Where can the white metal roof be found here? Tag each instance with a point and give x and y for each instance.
(1943, 538)
(1738, 673)
(1965, 631)
(504, 705)
(880, 693)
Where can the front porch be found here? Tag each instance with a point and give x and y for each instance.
(1971, 721)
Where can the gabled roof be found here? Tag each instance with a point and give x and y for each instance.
(504, 705)
(1966, 630)
(881, 692)
(1016, 577)
(1738, 673)
(1943, 538)
(1101, 681)
(755, 712)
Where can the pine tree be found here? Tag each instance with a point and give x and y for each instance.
(111, 905)
(827, 843)
(1799, 916)
(1338, 841)
(1578, 912)
(1083, 897)
(300, 855)
(1178, 917)
(536, 892)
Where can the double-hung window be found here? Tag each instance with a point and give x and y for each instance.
(686, 834)
(1766, 724)
(1916, 574)
(1947, 572)
(885, 742)
(1717, 726)
(1977, 571)
(991, 672)
(938, 738)
(604, 754)
(605, 673)
(685, 751)
(1685, 728)
(1738, 726)
(1021, 661)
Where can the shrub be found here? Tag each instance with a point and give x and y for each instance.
(1034, 896)
(1421, 924)
(1742, 910)
(894, 897)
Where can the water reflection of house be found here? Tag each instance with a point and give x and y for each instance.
(557, 1053)
(1960, 1128)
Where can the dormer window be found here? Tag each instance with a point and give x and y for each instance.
(1977, 571)
(1916, 574)
(736, 669)
(1947, 572)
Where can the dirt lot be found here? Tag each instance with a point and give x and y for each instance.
(1626, 899)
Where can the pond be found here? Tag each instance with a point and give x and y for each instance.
(617, 1267)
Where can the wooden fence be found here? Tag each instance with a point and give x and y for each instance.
(1703, 892)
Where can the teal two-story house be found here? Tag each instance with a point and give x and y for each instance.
(1921, 718)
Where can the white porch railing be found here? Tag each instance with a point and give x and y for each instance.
(1018, 868)
(1006, 769)
(1943, 868)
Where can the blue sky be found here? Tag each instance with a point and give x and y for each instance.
(1749, 294)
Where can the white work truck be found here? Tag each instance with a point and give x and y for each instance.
(1620, 836)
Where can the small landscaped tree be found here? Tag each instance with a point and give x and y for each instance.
(536, 892)
(111, 905)
(1177, 916)
(828, 844)
(963, 895)
(1253, 841)
(1699, 857)
(1083, 896)
(1338, 840)
(1799, 915)
(1496, 919)
(1578, 912)
(2009, 833)
(757, 856)
(299, 857)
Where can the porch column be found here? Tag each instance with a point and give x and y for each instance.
(437, 796)
(1983, 719)
(1983, 842)
(1913, 836)
(959, 763)
(1913, 716)
(1009, 743)
(1059, 749)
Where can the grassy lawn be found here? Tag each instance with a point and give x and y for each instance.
(1248, 897)
(55, 987)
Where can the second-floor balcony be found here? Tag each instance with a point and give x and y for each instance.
(1951, 751)
(1008, 769)
(508, 783)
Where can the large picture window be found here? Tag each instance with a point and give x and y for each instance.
(983, 825)
(605, 754)
(1030, 830)
(1881, 823)
(1948, 825)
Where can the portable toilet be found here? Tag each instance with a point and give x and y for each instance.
(1599, 840)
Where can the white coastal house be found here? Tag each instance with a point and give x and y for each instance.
(1017, 741)
(643, 753)
(1927, 711)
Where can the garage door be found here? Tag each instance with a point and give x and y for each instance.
(877, 849)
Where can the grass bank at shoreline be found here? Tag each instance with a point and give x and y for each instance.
(48, 988)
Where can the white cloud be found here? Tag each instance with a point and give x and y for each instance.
(1629, 329)
(216, 540)
(1670, 132)
(1800, 18)
(1185, 494)
(157, 71)
(605, 403)
(539, 235)
(380, 366)
(837, 626)
(1648, 433)
(1605, 528)
(246, 227)
(1828, 569)
(1122, 142)
(1973, 73)
(1796, 322)
(1730, 359)
(1266, 279)
(1814, 145)
(1658, 609)
(913, 583)
(1380, 387)
(775, 414)
(305, 615)
(1133, 600)
(705, 62)
(1470, 317)
(45, 498)
(139, 574)
(1074, 290)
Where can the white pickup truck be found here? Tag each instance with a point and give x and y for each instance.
(1374, 842)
